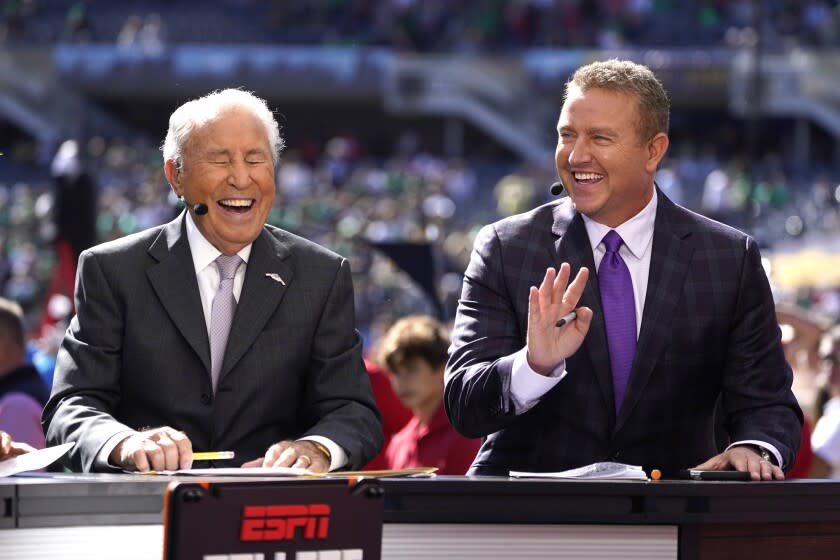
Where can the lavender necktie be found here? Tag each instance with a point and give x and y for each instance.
(221, 315)
(619, 313)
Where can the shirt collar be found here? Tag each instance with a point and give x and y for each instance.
(636, 232)
(203, 252)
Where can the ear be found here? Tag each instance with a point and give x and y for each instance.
(657, 147)
(173, 175)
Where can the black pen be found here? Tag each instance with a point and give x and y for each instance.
(566, 319)
(696, 474)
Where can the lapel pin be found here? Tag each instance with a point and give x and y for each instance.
(276, 277)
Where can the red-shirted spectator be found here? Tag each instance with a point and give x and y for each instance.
(394, 414)
(414, 349)
(805, 456)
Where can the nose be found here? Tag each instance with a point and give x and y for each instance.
(579, 152)
(240, 174)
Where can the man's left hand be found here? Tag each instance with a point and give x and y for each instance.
(301, 454)
(10, 448)
(743, 458)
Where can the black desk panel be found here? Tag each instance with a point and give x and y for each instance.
(455, 517)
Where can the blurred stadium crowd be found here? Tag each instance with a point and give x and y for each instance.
(454, 25)
(363, 204)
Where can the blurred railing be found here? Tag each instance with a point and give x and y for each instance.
(803, 84)
(492, 94)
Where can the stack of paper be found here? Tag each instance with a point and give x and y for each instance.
(595, 471)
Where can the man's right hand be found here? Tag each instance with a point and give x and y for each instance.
(159, 449)
(548, 345)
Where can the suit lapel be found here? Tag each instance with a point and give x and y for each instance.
(573, 246)
(261, 293)
(671, 254)
(173, 280)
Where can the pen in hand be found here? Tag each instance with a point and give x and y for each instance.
(566, 319)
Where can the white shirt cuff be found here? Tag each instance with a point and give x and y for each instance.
(763, 444)
(527, 386)
(101, 461)
(338, 457)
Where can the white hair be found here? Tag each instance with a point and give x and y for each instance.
(193, 114)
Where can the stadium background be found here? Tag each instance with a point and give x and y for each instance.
(410, 124)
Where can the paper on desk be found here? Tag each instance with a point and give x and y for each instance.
(34, 460)
(595, 471)
(289, 471)
(233, 471)
(410, 472)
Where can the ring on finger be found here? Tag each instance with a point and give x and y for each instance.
(305, 458)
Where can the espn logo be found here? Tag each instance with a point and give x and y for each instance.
(347, 554)
(281, 523)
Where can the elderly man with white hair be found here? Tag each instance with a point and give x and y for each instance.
(215, 331)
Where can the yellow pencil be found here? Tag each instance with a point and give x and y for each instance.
(212, 455)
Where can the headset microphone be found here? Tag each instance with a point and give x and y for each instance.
(200, 208)
(556, 188)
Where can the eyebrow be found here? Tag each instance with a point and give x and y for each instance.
(603, 130)
(226, 153)
(216, 153)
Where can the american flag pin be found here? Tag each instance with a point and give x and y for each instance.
(276, 277)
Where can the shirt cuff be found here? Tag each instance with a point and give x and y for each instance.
(338, 457)
(527, 386)
(101, 462)
(772, 449)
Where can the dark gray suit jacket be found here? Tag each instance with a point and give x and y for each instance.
(137, 354)
(708, 328)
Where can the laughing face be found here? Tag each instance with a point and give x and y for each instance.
(605, 166)
(227, 165)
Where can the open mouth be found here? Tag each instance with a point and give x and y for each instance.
(236, 205)
(587, 178)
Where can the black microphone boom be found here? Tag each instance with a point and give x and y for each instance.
(556, 188)
(200, 208)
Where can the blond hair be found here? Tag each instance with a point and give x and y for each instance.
(633, 79)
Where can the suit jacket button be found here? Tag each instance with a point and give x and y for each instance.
(205, 398)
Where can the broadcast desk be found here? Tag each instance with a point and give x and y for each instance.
(119, 516)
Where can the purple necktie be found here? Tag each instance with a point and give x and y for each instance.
(619, 313)
(221, 314)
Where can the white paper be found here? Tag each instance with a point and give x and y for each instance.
(34, 460)
(234, 471)
(595, 471)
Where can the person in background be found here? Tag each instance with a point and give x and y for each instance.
(414, 350)
(214, 332)
(825, 438)
(22, 391)
(672, 310)
(394, 414)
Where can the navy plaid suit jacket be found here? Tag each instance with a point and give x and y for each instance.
(708, 329)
